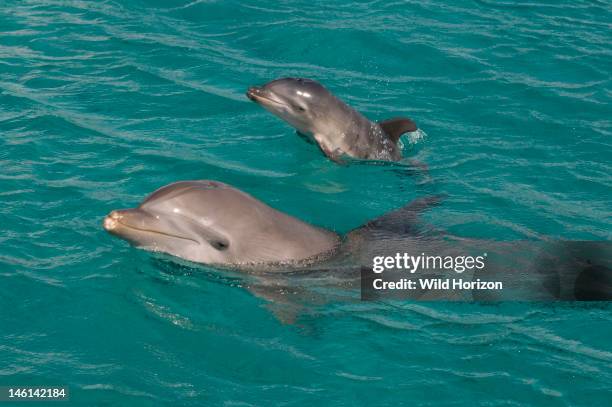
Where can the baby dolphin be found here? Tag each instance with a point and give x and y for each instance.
(212, 223)
(337, 128)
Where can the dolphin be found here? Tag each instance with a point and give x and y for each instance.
(338, 129)
(210, 222)
(215, 224)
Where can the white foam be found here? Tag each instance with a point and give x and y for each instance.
(416, 136)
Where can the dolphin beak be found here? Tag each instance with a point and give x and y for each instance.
(253, 93)
(139, 227)
(263, 97)
(117, 220)
(112, 220)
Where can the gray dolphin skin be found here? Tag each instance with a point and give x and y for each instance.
(212, 223)
(337, 128)
(215, 224)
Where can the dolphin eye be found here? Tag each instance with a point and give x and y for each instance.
(219, 245)
(299, 108)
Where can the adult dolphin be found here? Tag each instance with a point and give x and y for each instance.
(213, 223)
(336, 127)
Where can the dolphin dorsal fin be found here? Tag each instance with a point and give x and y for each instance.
(402, 220)
(397, 126)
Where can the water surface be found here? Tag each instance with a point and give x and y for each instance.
(101, 102)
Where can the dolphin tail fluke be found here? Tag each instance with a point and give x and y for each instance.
(594, 283)
(397, 126)
(593, 261)
(583, 269)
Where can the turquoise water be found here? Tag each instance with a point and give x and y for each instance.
(102, 102)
